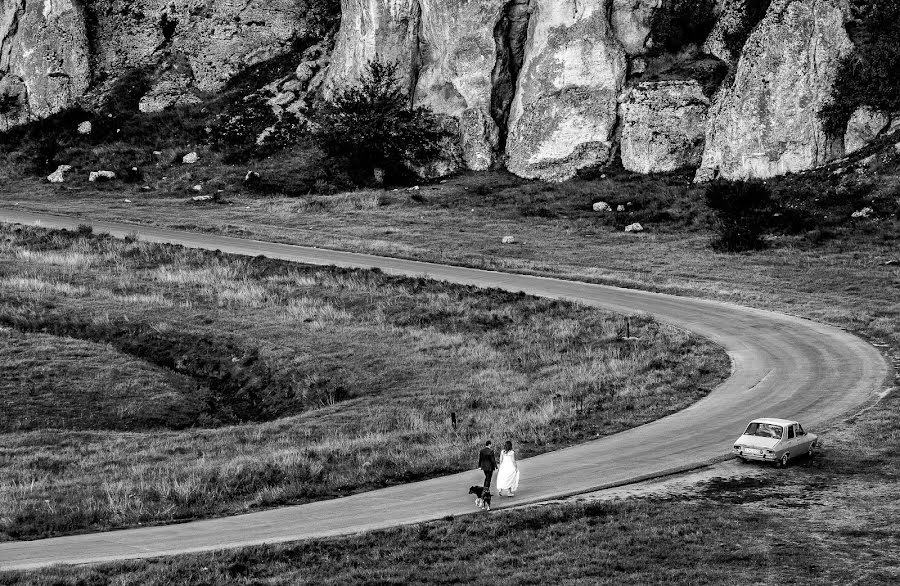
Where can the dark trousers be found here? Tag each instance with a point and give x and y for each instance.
(487, 478)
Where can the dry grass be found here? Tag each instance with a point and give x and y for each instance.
(302, 383)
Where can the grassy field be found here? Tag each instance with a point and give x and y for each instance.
(198, 384)
(831, 522)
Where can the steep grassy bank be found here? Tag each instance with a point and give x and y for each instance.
(266, 382)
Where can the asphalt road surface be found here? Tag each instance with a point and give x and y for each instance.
(783, 366)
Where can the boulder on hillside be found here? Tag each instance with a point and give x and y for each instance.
(663, 126)
(865, 125)
(602, 207)
(636, 227)
(190, 158)
(59, 176)
(100, 176)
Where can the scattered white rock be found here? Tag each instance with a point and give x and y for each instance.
(127, 201)
(620, 208)
(58, 176)
(101, 176)
(201, 198)
(414, 188)
(157, 153)
(85, 127)
(251, 176)
(197, 188)
(634, 228)
(146, 188)
(863, 213)
(892, 263)
(602, 206)
(509, 240)
(190, 158)
(897, 147)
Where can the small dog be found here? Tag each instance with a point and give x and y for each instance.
(482, 497)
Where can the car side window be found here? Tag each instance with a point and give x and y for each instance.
(800, 430)
(791, 432)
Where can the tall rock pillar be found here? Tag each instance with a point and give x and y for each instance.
(457, 52)
(563, 117)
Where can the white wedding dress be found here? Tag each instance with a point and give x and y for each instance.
(508, 473)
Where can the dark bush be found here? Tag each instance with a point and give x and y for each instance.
(373, 128)
(868, 76)
(681, 23)
(743, 209)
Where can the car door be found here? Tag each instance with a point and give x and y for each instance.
(790, 440)
(803, 440)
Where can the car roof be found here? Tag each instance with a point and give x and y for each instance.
(774, 421)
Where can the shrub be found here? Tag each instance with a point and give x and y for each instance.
(742, 210)
(680, 23)
(869, 75)
(372, 127)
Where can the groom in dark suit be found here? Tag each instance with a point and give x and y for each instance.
(487, 462)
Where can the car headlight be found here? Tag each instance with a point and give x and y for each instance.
(738, 448)
(770, 453)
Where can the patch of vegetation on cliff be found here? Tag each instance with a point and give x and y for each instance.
(869, 75)
(679, 24)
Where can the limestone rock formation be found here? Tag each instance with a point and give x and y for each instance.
(44, 58)
(457, 52)
(218, 39)
(663, 126)
(563, 117)
(375, 30)
(766, 123)
(736, 20)
(631, 21)
(864, 126)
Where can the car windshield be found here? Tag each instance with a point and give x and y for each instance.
(764, 430)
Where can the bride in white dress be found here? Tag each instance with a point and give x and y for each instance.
(508, 474)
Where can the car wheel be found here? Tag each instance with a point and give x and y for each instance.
(783, 462)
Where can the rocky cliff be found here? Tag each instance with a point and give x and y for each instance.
(54, 51)
(44, 58)
(546, 87)
(766, 123)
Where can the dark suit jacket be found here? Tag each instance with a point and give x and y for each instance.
(486, 460)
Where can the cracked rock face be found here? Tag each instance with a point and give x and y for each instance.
(218, 39)
(457, 52)
(766, 123)
(663, 126)
(864, 126)
(563, 117)
(631, 21)
(375, 30)
(44, 59)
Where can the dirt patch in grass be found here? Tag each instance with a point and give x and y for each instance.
(308, 382)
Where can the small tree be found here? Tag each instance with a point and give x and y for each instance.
(373, 127)
(742, 211)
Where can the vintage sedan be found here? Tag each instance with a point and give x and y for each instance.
(774, 440)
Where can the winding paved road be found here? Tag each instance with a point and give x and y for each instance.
(782, 366)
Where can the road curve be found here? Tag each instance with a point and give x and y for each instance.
(782, 366)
